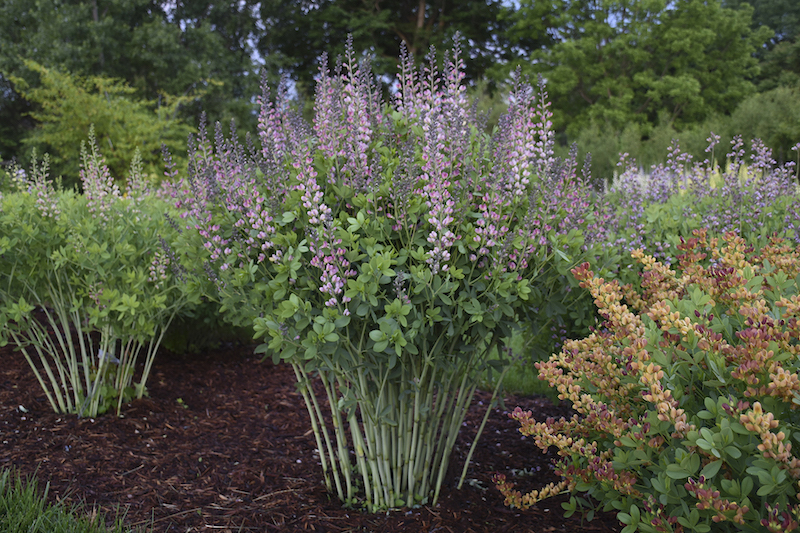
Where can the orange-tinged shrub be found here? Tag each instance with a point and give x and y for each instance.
(687, 400)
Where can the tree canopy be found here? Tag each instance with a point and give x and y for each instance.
(299, 32)
(781, 16)
(180, 48)
(609, 64)
(624, 61)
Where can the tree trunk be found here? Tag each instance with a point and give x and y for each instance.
(420, 26)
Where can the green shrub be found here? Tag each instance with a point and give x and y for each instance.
(686, 400)
(384, 252)
(85, 287)
(68, 106)
(773, 117)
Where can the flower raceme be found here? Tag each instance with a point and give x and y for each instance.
(688, 393)
(385, 251)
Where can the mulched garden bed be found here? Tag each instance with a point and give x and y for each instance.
(223, 443)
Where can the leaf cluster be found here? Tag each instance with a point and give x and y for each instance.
(85, 289)
(686, 399)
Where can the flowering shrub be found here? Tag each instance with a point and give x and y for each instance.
(754, 199)
(384, 251)
(687, 398)
(86, 287)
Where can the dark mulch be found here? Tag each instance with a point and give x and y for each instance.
(223, 443)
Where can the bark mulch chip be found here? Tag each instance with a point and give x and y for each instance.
(223, 443)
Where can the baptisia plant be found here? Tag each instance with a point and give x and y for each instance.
(686, 400)
(754, 197)
(85, 287)
(383, 252)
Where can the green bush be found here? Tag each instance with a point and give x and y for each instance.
(773, 117)
(85, 286)
(686, 399)
(67, 107)
(385, 251)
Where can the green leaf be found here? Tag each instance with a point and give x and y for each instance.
(677, 472)
(747, 486)
(733, 452)
(711, 469)
(380, 346)
(766, 489)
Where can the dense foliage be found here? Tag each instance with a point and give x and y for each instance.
(686, 398)
(385, 251)
(68, 107)
(751, 195)
(299, 33)
(624, 63)
(201, 50)
(85, 288)
(622, 74)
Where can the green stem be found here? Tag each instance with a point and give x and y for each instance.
(317, 424)
(369, 431)
(358, 445)
(43, 345)
(414, 442)
(59, 406)
(492, 403)
(336, 465)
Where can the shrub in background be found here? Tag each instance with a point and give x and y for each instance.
(85, 287)
(755, 199)
(772, 117)
(384, 251)
(687, 398)
(68, 106)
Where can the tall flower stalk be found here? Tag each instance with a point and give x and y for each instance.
(388, 257)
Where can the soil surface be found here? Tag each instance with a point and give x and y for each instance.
(223, 443)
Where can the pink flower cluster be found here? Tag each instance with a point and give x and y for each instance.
(98, 186)
(347, 116)
(328, 256)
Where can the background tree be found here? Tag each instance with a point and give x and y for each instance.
(298, 32)
(66, 107)
(626, 61)
(620, 72)
(780, 56)
(781, 16)
(622, 68)
(197, 48)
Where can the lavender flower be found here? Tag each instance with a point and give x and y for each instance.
(39, 185)
(98, 186)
